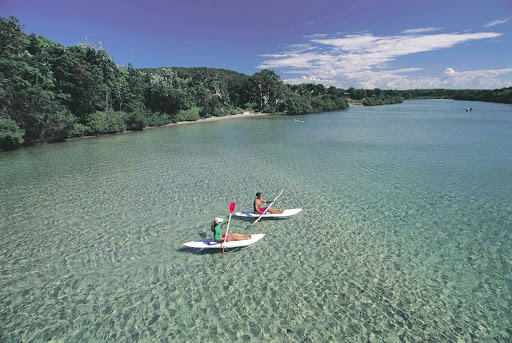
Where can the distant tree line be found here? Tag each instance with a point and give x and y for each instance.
(375, 97)
(503, 95)
(376, 101)
(49, 92)
(371, 97)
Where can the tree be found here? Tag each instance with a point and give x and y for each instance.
(28, 92)
(294, 103)
(165, 92)
(132, 91)
(266, 89)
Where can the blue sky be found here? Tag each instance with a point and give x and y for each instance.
(362, 44)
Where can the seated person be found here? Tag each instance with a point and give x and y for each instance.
(258, 206)
(219, 237)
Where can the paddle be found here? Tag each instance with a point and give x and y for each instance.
(231, 209)
(272, 203)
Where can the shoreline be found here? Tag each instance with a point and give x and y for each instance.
(229, 116)
(202, 120)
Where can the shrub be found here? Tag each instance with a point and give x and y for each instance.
(110, 121)
(250, 106)
(116, 121)
(59, 125)
(97, 123)
(11, 136)
(79, 130)
(158, 119)
(135, 121)
(234, 110)
(191, 114)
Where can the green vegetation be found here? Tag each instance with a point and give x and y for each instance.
(49, 92)
(308, 97)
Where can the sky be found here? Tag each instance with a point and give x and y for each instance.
(403, 44)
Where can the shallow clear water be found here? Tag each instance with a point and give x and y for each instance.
(405, 233)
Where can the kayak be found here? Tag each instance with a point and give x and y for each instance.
(252, 215)
(211, 244)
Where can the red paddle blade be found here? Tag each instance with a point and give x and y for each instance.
(232, 207)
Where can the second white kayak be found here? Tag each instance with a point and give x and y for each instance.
(252, 215)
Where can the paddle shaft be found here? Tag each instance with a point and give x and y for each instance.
(231, 209)
(272, 203)
(227, 230)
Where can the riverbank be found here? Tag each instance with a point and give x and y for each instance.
(202, 120)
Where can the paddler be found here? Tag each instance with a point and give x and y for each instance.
(219, 237)
(258, 205)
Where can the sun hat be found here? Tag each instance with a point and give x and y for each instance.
(218, 220)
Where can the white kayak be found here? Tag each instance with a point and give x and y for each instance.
(252, 215)
(211, 244)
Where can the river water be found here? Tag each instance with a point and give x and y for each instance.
(405, 233)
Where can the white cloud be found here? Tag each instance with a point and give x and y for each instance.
(364, 60)
(393, 46)
(317, 35)
(301, 47)
(294, 59)
(306, 79)
(474, 78)
(422, 30)
(405, 70)
(496, 22)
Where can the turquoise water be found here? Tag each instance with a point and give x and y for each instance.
(405, 233)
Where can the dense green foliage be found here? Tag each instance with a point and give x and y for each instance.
(49, 92)
(308, 97)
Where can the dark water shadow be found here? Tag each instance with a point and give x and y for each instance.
(206, 251)
(250, 221)
(243, 219)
